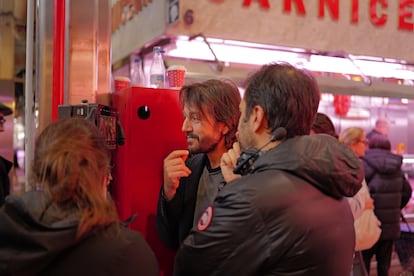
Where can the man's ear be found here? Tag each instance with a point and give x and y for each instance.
(258, 118)
(225, 130)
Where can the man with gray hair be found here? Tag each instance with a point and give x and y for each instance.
(382, 126)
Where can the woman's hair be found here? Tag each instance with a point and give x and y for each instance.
(379, 142)
(350, 135)
(71, 163)
(220, 99)
(323, 124)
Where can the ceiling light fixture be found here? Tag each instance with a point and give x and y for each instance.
(230, 51)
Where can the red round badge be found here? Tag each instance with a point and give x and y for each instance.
(205, 219)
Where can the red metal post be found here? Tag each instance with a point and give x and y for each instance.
(58, 56)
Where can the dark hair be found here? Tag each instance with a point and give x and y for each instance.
(220, 98)
(323, 124)
(379, 141)
(289, 97)
(71, 162)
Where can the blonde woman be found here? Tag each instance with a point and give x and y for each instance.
(355, 138)
(68, 225)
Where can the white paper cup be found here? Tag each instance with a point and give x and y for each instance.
(121, 83)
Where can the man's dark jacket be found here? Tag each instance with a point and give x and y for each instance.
(287, 217)
(5, 166)
(388, 187)
(175, 217)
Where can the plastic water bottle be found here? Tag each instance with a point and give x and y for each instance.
(137, 75)
(157, 70)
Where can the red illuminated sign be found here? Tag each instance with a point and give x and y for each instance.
(378, 10)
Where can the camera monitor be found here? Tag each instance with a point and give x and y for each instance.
(104, 117)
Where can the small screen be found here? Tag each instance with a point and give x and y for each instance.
(107, 125)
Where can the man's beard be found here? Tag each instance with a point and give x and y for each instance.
(211, 147)
(244, 140)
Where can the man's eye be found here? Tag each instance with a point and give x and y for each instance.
(195, 118)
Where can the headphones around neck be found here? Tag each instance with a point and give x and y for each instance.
(249, 156)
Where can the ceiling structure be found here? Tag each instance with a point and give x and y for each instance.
(13, 49)
(12, 38)
(13, 52)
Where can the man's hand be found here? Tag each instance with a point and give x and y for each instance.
(369, 203)
(174, 169)
(228, 163)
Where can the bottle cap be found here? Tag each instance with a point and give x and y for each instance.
(158, 49)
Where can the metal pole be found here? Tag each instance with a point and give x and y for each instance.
(29, 103)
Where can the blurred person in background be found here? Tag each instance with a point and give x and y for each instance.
(355, 138)
(192, 177)
(67, 224)
(361, 200)
(323, 124)
(5, 165)
(391, 192)
(382, 127)
(282, 210)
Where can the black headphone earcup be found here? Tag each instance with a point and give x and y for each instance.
(245, 161)
(248, 157)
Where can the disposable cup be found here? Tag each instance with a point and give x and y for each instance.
(176, 76)
(121, 83)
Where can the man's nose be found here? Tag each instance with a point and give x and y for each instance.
(186, 126)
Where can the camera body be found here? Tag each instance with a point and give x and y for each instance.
(104, 117)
